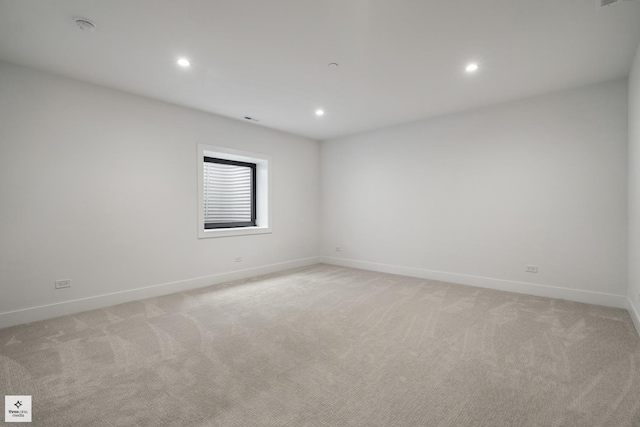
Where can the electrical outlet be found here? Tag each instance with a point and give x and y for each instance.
(338, 249)
(238, 259)
(63, 284)
(531, 268)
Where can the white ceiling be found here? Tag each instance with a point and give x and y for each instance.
(400, 60)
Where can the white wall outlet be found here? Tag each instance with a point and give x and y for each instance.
(238, 259)
(338, 249)
(63, 283)
(531, 268)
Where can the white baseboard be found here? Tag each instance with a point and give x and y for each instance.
(589, 297)
(32, 314)
(634, 315)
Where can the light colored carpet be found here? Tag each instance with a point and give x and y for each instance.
(330, 346)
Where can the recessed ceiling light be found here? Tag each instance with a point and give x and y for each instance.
(184, 62)
(319, 112)
(471, 68)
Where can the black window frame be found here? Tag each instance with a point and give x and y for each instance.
(252, 223)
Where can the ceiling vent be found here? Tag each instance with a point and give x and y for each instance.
(605, 3)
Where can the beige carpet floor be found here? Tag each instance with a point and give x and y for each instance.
(330, 346)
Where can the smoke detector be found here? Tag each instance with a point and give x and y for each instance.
(85, 24)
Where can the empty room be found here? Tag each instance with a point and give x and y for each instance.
(349, 213)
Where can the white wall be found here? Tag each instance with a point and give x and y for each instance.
(634, 190)
(99, 187)
(473, 197)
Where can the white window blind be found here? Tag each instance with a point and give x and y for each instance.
(229, 193)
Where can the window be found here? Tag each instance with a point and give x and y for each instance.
(233, 189)
(229, 193)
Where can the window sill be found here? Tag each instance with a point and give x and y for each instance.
(229, 232)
